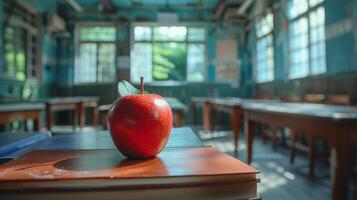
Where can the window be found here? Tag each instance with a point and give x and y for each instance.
(265, 49)
(306, 38)
(168, 53)
(20, 42)
(96, 54)
(15, 52)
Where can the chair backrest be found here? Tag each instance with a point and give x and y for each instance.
(291, 98)
(264, 97)
(339, 99)
(314, 98)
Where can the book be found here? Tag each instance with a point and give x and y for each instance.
(176, 173)
(12, 142)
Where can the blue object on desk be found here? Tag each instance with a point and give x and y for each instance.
(12, 142)
(102, 140)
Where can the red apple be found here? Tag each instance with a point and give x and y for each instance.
(140, 124)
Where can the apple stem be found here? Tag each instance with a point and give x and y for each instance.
(142, 84)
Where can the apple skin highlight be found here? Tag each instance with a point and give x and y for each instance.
(140, 125)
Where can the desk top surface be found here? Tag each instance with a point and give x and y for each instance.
(180, 137)
(74, 99)
(109, 165)
(20, 107)
(305, 109)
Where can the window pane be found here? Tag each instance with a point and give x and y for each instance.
(196, 34)
(106, 63)
(296, 8)
(196, 62)
(9, 50)
(86, 69)
(299, 68)
(142, 33)
(170, 33)
(265, 59)
(97, 33)
(298, 47)
(169, 61)
(314, 2)
(167, 56)
(317, 17)
(141, 62)
(265, 25)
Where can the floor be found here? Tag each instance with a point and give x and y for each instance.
(279, 179)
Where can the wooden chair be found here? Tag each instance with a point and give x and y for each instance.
(338, 99)
(103, 111)
(291, 98)
(314, 98)
(268, 131)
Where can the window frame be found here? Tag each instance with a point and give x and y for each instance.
(78, 43)
(306, 15)
(186, 41)
(262, 37)
(27, 19)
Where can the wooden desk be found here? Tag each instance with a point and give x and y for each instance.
(230, 105)
(178, 110)
(77, 104)
(197, 102)
(183, 170)
(103, 111)
(21, 112)
(336, 124)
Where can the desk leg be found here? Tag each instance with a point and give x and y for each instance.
(179, 116)
(82, 115)
(95, 116)
(194, 113)
(311, 155)
(273, 135)
(75, 119)
(341, 170)
(49, 116)
(206, 117)
(292, 145)
(235, 123)
(36, 121)
(26, 123)
(249, 133)
(105, 120)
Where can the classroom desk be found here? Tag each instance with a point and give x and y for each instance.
(230, 105)
(86, 166)
(77, 104)
(178, 109)
(335, 124)
(200, 102)
(20, 112)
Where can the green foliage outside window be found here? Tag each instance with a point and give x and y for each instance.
(15, 56)
(169, 61)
